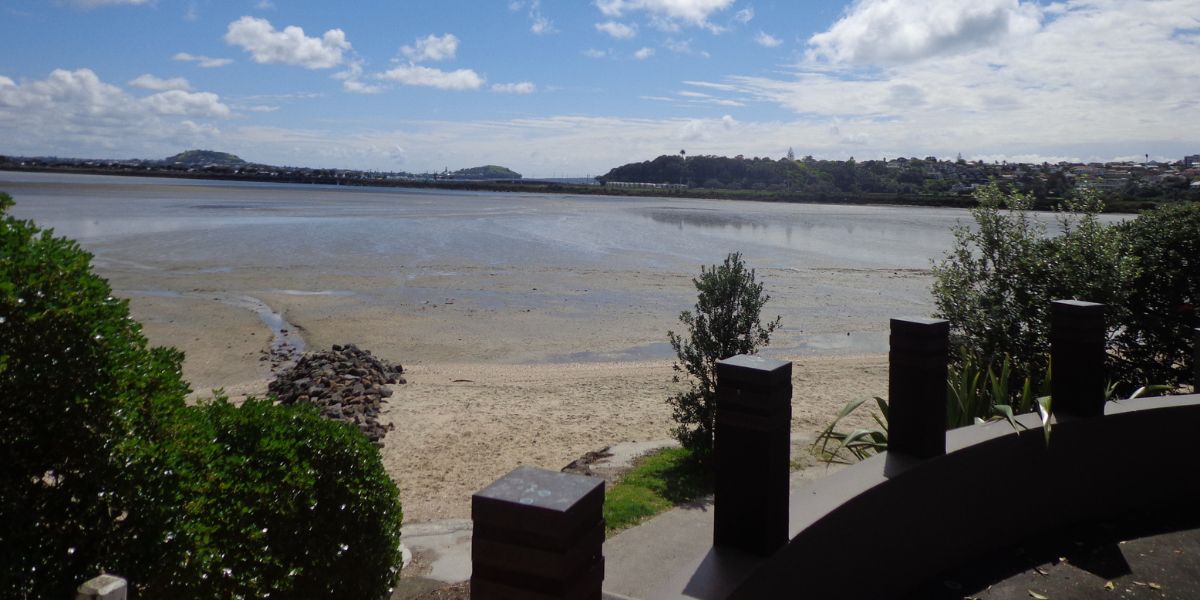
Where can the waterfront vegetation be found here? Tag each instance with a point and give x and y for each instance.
(995, 287)
(107, 469)
(725, 322)
(658, 481)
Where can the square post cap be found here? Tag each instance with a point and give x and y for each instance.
(754, 369)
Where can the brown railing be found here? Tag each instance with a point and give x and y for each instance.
(920, 507)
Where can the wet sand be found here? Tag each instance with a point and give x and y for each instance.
(467, 414)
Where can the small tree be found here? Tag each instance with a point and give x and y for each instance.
(996, 283)
(725, 323)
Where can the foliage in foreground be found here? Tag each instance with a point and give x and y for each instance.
(726, 322)
(106, 469)
(283, 502)
(659, 481)
(996, 283)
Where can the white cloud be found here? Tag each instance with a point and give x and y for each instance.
(264, 5)
(204, 61)
(262, 108)
(1090, 82)
(432, 47)
(75, 113)
(744, 16)
(523, 87)
(188, 104)
(617, 30)
(102, 3)
(459, 80)
(897, 31)
(667, 15)
(288, 47)
(767, 40)
(594, 53)
(541, 25)
(683, 47)
(150, 82)
(644, 53)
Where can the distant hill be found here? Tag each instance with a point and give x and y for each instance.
(200, 158)
(486, 172)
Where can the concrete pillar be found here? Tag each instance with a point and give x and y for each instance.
(752, 452)
(919, 350)
(104, 587)
(1077, 376)
(538, 534)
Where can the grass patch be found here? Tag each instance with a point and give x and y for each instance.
(658, 481)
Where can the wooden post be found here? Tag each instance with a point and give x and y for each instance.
(104, 587)
(1077, 358)
(1196, 360)
(538, 534)
(752, 452)
(919, 350)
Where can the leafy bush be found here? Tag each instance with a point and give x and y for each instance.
(726, 322)
(280, 501)
(1164, 296)
(83, 401)
(104, 468)
(996, 283)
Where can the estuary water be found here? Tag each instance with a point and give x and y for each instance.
(836, 272)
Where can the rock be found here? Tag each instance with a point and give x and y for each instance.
(345, 384)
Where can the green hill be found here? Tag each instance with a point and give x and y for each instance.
(486, 172)
(200, 158)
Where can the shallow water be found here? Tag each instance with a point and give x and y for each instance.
(835, 269)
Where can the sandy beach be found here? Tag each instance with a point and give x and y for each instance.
(461, 424)
(532, 329)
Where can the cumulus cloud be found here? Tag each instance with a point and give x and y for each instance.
(101, 3)
(189, 104)
(644, 53)
(150, 82)
(70, 112)
(458, 80)
(744, 16)
(767, 40)
(897, 31)
(523, 87)
(291, 46)
(432, 47)
(667, 14)
(206, 62)
(617, 30)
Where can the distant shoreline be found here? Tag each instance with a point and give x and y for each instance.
(543, 187)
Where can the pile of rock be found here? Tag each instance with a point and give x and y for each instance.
(347, 384)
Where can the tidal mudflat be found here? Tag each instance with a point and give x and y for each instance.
(533, 327)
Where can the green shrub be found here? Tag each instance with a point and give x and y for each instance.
(1155, 344)
(726, 322)
(283, 502)
(996, 283)
(84, 403)
(104, 468)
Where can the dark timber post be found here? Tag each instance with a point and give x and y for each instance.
(1196, 360)
(917, 387)
(752, 451)
(538, 534)
(1077, 358)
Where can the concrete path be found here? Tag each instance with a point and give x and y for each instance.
(660, 558)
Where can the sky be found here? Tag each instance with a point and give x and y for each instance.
(558, 88)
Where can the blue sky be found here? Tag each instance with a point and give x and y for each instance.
(550, 87)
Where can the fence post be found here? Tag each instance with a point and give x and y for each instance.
(538, 534)
(104, 587)
(1196, 360)
(917, 358)
(752, 452)
(1077, 358)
